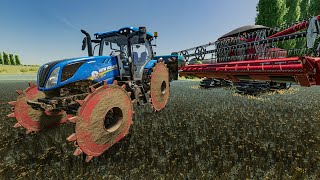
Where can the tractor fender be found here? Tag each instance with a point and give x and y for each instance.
(150, 65)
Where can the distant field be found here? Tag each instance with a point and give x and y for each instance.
(7, 69)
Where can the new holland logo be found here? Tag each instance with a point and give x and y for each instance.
(102, 72)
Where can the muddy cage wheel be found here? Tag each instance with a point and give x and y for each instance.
(31, 119)
(159, 86)
(103, 119)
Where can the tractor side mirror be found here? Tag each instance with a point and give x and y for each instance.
(142, 35)
(84, 43)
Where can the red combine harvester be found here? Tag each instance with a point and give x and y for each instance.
(251, 58)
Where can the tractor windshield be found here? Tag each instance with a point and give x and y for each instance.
(118, 45)
(106, 48)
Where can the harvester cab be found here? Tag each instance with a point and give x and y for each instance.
(96, 92)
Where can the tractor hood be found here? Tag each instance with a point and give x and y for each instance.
(59, 73)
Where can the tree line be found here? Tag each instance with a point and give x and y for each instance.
(9, 59)
(273, 13)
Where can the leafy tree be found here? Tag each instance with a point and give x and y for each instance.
(304, 13)
(1, 59)
(262, 16)
(292, 16)
(314, 7)
(294, 11)
(6, 59)
(305, 8)
(17, 59)
(271, 12)
(11, 58)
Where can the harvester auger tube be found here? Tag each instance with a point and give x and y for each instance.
(31, 119)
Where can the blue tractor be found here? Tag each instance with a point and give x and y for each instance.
(97, 92)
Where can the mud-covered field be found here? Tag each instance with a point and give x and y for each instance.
(201, 134)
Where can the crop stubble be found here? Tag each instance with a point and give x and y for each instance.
(201, 133)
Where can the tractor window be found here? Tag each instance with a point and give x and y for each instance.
(140, 53)
(95, 47)
(109, 49)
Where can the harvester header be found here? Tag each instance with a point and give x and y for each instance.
(258, 53)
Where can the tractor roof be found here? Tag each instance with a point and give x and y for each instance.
(243, 29)
(119, 35)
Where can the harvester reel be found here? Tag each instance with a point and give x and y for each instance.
(34, 120)
(159, 86)
(103, 119)
(200, 53)
(185, 54)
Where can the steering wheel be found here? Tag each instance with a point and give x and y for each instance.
(123, 54)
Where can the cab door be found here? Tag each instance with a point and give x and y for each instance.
(140, 57)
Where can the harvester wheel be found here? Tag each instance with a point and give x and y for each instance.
(159, 86)
(34, 120)
(103, 119)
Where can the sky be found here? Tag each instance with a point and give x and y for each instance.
(41, 31)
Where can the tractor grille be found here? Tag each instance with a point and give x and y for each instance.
(69, 70)
(44, 72)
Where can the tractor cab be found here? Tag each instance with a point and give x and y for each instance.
(130, 46)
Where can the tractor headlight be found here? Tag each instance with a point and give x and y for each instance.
(53, 78)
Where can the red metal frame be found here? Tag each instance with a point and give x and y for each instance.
(293, 29)
(304, 70)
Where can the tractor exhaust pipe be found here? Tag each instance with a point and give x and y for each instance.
(87, 41)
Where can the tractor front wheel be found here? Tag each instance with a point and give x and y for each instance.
(103, 119)
(31, 119)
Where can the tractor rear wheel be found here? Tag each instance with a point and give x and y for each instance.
(159, 86)
(103, 119)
